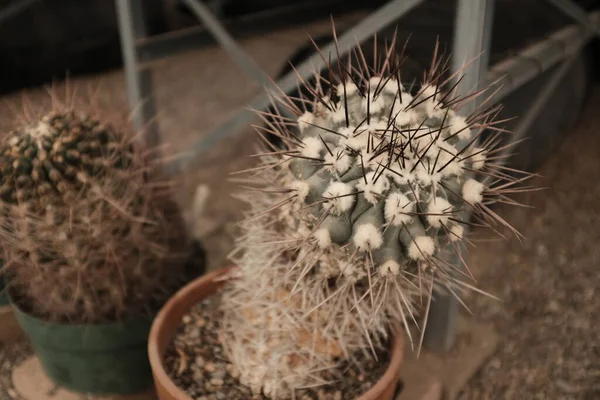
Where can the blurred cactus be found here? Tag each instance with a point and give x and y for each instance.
(50, 159)
(90, 229)
(355, 219)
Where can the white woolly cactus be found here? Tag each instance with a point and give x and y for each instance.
(355, 217)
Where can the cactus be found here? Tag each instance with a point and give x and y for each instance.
(356, 218)
(90, 230)
(52, 157)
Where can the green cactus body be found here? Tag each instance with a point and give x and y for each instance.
(397, 154)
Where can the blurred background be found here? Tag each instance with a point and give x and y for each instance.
(549, 282)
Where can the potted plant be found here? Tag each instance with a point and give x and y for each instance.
(94, 246)
(348, 233)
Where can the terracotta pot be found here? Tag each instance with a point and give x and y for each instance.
(169, 319)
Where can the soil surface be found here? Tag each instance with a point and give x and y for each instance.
(196, 363)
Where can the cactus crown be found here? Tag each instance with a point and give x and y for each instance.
(356, 219)
(91, 232)
(51, 158)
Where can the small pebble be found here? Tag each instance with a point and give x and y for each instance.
(199, 361)
(209, 367)
(216, 382)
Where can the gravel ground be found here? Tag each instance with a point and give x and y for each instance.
(550, 314)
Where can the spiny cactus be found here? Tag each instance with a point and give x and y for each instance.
(357, 218)
(91, 232)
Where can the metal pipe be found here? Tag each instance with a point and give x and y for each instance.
(236, 52)
(472, 36)
(538, 104)
(138, 80)
(574, 11)
(170, 43)
(515, 71)
(14, 9)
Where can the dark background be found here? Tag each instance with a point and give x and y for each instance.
(53, 38)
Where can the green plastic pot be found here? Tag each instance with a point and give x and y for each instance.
(92, 359)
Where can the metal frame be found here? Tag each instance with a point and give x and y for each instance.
(14, 9)
(471, 55)
(471, 41)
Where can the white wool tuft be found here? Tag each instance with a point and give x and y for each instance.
(341, 200)
(453, 168)
(451, 165)
(401, 173)
(372, 160)
(380, 127)
(357, 141)
(368, 237)
(389, 268)
(472, 191)
(391, 86)
(456, 232)
(405, 118)
(305, 120)
(347, 131)
(351, 270)
(302, 188)
(351, 88)
(433, 109)
(323, 238)
(459, 124)
(428, 91)
(338, 115)
(478, 158)
(397, 209)
(312, 147)
(39, 130)
(373, 189)
(340, 160)
(374, 81)
(407, 98)
(436, 208)
(421, 248)
(425, 177)
(374, 105)
(320, 109)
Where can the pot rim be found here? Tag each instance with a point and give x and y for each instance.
(18, 309)
(156, 358)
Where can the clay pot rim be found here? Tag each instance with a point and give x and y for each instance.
(391, 374)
